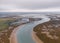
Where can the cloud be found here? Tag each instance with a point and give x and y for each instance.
(28, 4)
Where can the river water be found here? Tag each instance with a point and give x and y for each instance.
(24, 33)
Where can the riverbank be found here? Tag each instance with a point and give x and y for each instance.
(35, 38)
(13, 38)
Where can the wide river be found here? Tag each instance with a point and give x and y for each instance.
(24, 33)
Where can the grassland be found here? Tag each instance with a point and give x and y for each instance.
(5, 23)
(5, 29)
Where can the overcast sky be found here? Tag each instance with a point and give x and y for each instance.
(29, 5)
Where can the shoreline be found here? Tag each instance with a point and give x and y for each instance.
(13, 37)
(35, 38)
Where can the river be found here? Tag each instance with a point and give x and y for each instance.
(24, 33)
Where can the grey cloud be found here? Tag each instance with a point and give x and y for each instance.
(31, 4)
